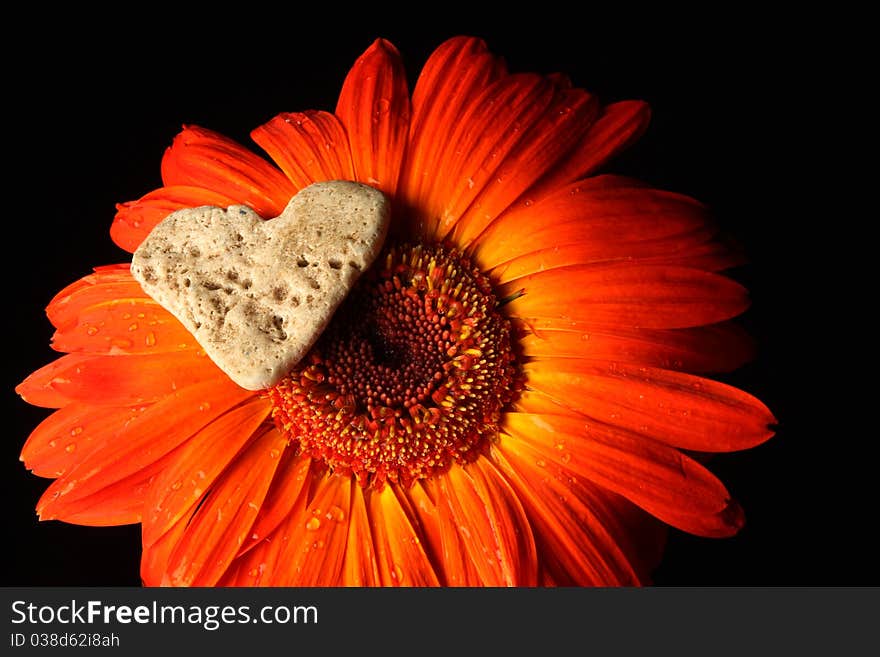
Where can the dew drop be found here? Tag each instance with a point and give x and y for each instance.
(253, 572)
(541, 463)
(126, 315)
(176, 485)
(76, 431)
(274, 453)
(313, 524)
(150, 339)
(335, 513)
(566, 457)
(133, 326)
(71, 448)
(204, 406)
(92, 330)
(560, 445)
(397, 573)
(318, 544)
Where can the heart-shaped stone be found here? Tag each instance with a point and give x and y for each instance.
(257, 294)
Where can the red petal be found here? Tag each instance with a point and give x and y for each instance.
(374, 108)
(658, 478)
(644, 296)
(202, 158)
(142, 441)
(674, 408)
(222, 524)
(308, 146)
(452, 78)
(718, 348)
(135, 219)
(400, 558)
(116, 380)
(70, 434)
(575, 541)
(196, 464)
(494, 528)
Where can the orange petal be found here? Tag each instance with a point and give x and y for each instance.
(124, 326)
(542, 147)
(450, 545)
(197, 463)
(717, 348)
(576, 542)
(481, 141)
(644, 296)
(138, 443)
(308, 146)
(400, 557)
(618, 126)
(450, 82)
(360, 565)
(495, 530)
(440, 538)
(223, 522)
(607, 218)
(292, 478)
(206, 159)
(658, 478)
(104, 284)
(154, 559)
(135, 219)
(116, 380)
(261, 564)
(70, 434)
(119, 503)
(374, 108)
(672, 407)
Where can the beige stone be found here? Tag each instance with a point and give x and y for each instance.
(257, 294)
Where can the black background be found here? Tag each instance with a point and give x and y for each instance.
(737, 103)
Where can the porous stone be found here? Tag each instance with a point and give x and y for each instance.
(257, 294)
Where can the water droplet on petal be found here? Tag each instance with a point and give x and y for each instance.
(92, 330)
(71, 448)
(541, 463)
(76, 431)
(176, 485)
(313, 524)
(133, 326)
(150, 339)
(565, 457)
(204, 406)
(397, 573)
(274, 453)
(335, 513)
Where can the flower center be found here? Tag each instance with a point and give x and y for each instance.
(411, 375)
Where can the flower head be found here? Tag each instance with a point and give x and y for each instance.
(509, 396)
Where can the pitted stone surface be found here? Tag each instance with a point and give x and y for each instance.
(257, 294)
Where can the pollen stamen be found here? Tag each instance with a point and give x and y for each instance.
(411, 375)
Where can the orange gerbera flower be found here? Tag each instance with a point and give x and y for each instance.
(506, 398)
